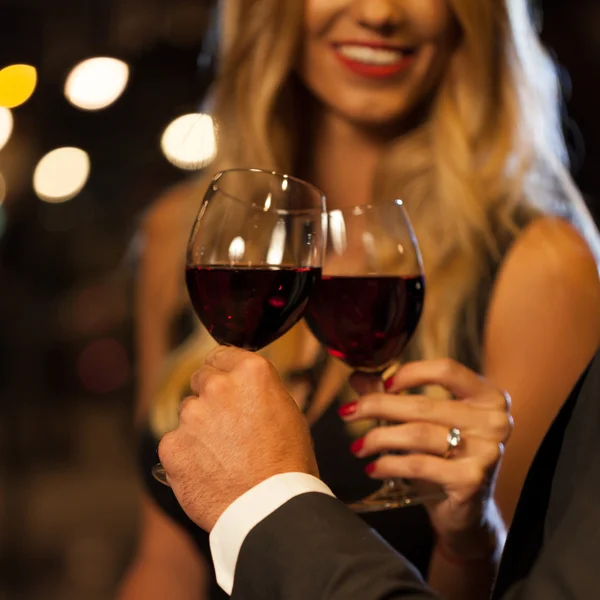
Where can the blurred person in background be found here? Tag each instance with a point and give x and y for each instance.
(453, 106)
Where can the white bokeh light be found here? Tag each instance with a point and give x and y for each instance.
(6, 126)
(237, 249)
(189, 141)
(337, 231)
(277, 245)
(61, 174)
(97, 82)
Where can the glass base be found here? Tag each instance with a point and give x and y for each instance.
(159, 473)
(394, 493)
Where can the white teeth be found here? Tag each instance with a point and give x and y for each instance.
(371, 56)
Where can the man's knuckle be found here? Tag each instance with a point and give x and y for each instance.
(196, 381)
(166, 448)
(253, 366)
(184, 407)
(215, 385)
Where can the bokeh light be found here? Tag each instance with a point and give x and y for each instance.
(61, 174)
(6, 126)
(97, 82)
(104, 366)
(237, 249)
(17, 84)
(189, 142)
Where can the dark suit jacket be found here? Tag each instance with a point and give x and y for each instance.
(314, 548)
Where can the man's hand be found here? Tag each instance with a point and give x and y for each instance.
(240, 428)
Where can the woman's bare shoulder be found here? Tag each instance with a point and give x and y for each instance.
(549, 278)
(554, 245)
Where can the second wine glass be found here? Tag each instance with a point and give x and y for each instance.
(368, 303)
(254, 257)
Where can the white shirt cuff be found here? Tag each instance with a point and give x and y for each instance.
(247, 511)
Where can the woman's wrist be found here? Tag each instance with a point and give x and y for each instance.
(480, 544)
(463, 554)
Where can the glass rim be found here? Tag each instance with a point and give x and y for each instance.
(294, 211)
(369, 206)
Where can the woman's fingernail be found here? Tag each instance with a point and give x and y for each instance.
(348, 409)
(370, 468)
(388, 383)
(357, 446)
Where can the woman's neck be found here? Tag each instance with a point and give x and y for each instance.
(343, 159)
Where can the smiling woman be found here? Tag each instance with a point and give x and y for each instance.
(452, 106)
(376, 64)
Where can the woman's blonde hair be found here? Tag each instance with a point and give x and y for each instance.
(489, 158)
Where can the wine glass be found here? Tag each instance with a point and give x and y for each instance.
(368, 304)
(254, 257)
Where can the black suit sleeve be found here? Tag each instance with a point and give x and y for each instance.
(314, 548)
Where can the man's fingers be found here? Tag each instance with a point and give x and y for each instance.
(167, 450)
(201, 377)
(194, 409)
(226, 358)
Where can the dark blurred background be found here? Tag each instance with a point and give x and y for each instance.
(68, 515)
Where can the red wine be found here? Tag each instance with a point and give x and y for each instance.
(366, 321)
(249, 307)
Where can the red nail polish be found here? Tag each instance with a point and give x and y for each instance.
(370, 468)
(388, 383)
(348, 409)
(357, 446)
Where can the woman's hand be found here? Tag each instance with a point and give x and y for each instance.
(420, 426)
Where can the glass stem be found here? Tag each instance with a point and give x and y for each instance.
(389, 485)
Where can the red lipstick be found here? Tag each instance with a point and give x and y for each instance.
(370, 66)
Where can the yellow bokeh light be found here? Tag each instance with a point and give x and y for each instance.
(17, 84)
(6, 126)
(61, 174)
